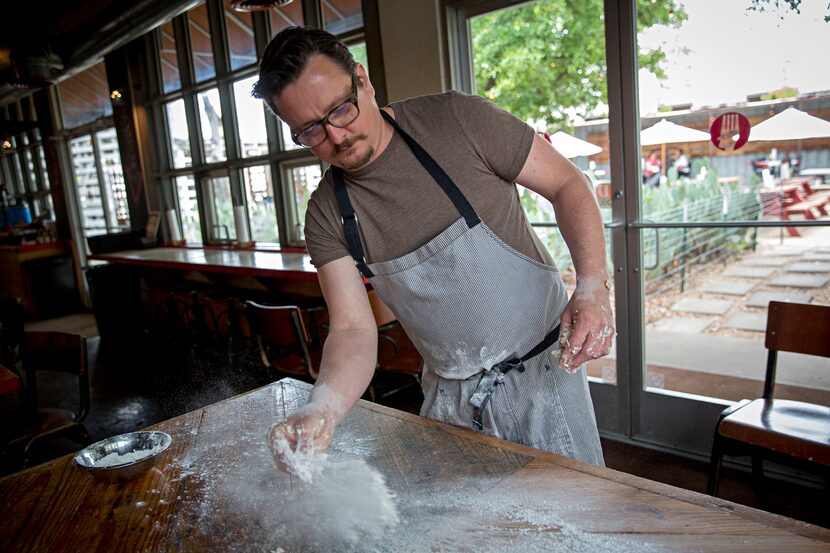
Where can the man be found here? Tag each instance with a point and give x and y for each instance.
(420, 199)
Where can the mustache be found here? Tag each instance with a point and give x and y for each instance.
(348, 143)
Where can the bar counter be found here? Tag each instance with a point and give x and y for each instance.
(286, 265)
(215, 489)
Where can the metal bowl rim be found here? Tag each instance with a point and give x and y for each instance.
(164, 443)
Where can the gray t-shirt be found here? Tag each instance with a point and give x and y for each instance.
(400, 207)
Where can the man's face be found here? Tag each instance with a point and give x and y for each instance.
(320, 88)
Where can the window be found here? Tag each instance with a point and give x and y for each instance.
(286, 16)
(250, 117)
(262, 209)
(178, 135)
(204, 66)
(218, 192)
(210, 117)
(241, 44)
(168, 59)
(341, 16)
(189, 209)
(303, 179)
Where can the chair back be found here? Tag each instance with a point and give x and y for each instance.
(798, 328)
(59, 352)
(279, 330)
(383, 315)
(12, 320)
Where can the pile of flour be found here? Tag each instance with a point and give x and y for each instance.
(336, 504)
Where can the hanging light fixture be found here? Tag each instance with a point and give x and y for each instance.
(257, 5)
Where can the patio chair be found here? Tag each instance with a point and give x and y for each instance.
(794, 432)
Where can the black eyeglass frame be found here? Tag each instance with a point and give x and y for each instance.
(324, 122)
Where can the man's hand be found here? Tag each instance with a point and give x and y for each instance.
(587, 325)
(306, 432)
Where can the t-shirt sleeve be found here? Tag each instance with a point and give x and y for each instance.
(501, 139)
(324, 242)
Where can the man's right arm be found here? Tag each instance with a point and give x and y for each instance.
(347, 365)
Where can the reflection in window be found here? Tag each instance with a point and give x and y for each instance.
(303, 179)
(250, 117)
(177, 131)
(286, 16)
(341, 16)
(168, 58)
(114, 187)
(262, 209)
(30, 167)
(43, 172)
(189, 209)
(218, 190)
(85, 172)
(85, 97)
(241, 44)
(210, 117)
(200, 43)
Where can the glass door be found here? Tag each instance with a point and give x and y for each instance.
(726, 156)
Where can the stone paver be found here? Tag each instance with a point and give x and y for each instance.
(710, 307)
(816, 257)
(689, 325)
(728, 287)
(762, 299)
(763, 261)
(787, 252)
(799, 281)
(749, 272)
(809, 268)
(748, 321)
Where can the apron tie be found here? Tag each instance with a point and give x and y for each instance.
(495, 376)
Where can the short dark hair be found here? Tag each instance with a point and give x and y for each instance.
(288, 53)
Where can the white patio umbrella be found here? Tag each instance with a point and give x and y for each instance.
(571, 146)
(790, 124)
(666, 132)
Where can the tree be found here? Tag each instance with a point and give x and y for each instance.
(794, 5)
(542, 59)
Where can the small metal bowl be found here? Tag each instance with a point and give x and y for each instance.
(123, 457)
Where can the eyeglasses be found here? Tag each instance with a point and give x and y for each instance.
(341, 116)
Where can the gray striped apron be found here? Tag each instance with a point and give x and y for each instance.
(485, 318)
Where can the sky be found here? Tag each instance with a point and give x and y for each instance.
(723, 52)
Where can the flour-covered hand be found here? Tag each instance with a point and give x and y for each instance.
(587, 325)
(306, 432)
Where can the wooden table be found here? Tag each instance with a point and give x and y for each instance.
(215, 490)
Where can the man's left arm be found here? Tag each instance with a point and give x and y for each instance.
(587, 322)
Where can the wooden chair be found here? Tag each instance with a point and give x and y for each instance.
(779, 429)
(12, 321)
(282, 338)
(62, 352)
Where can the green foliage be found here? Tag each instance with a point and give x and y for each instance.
(544, 58)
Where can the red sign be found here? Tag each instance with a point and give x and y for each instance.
(729, 131)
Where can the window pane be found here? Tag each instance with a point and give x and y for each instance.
(218, 191)
(707, 290)
(43, 172)
(262, 208)
(179, 138)
(85, 97)
(303, 179)
(359, 52)
(250, 117)
(30, 168)
(341, 16)
(189, 209)
(210, 117)
(114, 186)
(286, 16)
(168, 59)
(204, 66)
(241, 44)
(285, 135)
(87, 186)
(18, 187)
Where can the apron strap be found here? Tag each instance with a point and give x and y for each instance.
(495, 376)
(438, 174)
(349, 219)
